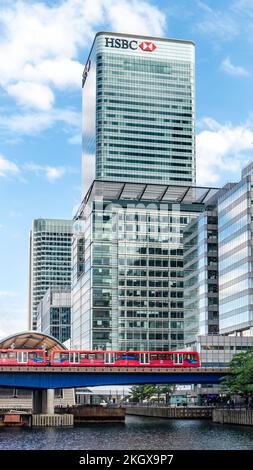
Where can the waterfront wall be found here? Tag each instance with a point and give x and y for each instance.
(94, 413)
(236, 416)
(177, 412)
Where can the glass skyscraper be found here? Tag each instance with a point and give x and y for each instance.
(50, 260)
(139, 110)
(128, 290)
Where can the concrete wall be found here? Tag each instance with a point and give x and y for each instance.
(244, 417)
(176, 412)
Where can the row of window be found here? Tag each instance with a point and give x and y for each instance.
(159, 119)
(177, 110)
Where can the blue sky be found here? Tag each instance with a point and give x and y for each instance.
(42, 48)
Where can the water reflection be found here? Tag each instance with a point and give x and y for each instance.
(137, 433)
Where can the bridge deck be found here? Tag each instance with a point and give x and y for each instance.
(146, 369)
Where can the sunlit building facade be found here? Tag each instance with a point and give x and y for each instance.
(235, 212)
(50, 260)
(139, 110)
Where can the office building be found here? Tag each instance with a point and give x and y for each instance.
(201, 275)
(54, 313)
(127, 290)
(139, 110)
(49, 261)
(235, 213)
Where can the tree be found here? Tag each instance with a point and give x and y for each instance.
(240, 379)
(139, 393)
(164, 390)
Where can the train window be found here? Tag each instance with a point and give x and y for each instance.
(131, 357)
(153, 357)
(4, 355)
(84, 356)
(91, 357)
(190, 357)
(168, 357)
(99, 356)
(57, 356)
(12, 355)
(164, 357)
(32, 355)
(64, 356)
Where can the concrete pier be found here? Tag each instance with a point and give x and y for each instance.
(43, 401)
(53, 420)
(234, 416)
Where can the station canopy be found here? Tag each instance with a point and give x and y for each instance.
(31, 340)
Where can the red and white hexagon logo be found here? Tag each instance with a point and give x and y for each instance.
(147, 46)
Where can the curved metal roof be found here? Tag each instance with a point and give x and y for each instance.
(31, 340)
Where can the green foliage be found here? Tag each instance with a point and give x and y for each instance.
(241, 369)
(139, 393)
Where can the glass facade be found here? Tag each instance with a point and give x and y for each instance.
(128, 286)
(139, 110)
(50, 260)
(54, 313)
(201, 275)
(218, 350)
(235, 258)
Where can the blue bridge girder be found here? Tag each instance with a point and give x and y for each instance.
(71, 377)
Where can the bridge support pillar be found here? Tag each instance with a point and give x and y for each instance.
(37, 401)
(43, 401)
(48, 401)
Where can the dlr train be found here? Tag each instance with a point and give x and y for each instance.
(69, 358)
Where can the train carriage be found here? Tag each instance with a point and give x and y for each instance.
(22, 357)
(125, 358)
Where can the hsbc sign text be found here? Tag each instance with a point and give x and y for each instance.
(146, 46)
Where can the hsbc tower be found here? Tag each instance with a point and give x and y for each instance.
(139, 147)
(139, 110)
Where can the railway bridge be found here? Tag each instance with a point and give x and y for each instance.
(44, 379)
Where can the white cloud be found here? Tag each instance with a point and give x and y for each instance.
(51, 173)
(54, 173)
(7, 167)
(225, 23)
(219, 24)
(61, 73)
(232, 69)
(135, 16)
(40, 43)
(75, 139)
(33, 95)
(222, 150)
(35, 122)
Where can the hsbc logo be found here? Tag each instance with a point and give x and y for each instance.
(146, 46)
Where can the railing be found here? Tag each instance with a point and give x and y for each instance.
(166, 405)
